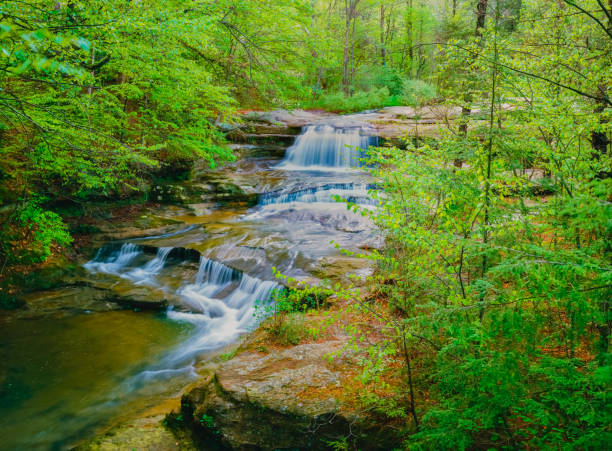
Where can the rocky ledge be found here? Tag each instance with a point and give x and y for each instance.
(286, 399)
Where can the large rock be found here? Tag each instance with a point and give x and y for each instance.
(141, 298)
(293, 118)
(65, 300)
(284, 400)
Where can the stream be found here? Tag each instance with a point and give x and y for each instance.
(66, 376)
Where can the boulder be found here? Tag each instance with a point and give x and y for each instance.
(288, 399)
(141, 298)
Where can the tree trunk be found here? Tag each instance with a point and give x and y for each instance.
(487, 193)
(599, 139)
(409, 26)
(383, 53)
(347, 47)
(481, 14)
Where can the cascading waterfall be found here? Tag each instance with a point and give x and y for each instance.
(221, 302)
(215, 273)
(325, 147)
(119, 263)
(115, 261)
(212, 304)
(353, 192)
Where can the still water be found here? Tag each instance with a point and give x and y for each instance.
(62, 376)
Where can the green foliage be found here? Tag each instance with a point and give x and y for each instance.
(497, 298)
(288, 329)
(8, 301)
(417, 92)
(208, 422)
(360, 101)
(226, 356)
(284, 311)
(30, 233)
(376, 77)
(338, 445)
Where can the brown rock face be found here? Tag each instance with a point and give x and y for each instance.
(282, 400)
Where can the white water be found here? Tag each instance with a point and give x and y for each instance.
(221, 302)
(352, 192)
(325, 147)
(119, 264)
(116, 261)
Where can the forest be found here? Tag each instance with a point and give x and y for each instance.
(485, 320)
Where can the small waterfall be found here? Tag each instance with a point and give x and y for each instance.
(120, 263)
(156, 265)
(325, 146)
(352, 192)
(146, 274)
(214, 273)
(221, 301)
(111, 261)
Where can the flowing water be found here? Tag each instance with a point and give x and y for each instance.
(328, 146)
(63, 377)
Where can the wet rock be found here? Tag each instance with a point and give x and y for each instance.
(142, 226)
(185, 193)
(262, 139)
(141, 298)
(168, 193)
(143, 434)
(262, 151)
(282, 400)
(65, 300)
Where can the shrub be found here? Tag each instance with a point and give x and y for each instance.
(290, 331)
(375, 78)
(418, 92)
(360, 101)
(30, 234)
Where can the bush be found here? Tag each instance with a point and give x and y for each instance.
(289, 331)
(360, 101)
(31, 233)
(370, 78)
(418, 92)
(8, 301)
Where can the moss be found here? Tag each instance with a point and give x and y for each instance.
(9, 301)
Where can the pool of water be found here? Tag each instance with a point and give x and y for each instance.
(61, 378)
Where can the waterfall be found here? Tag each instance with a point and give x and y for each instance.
(353, 192)
(156, 265)
(221, 302)
(120, 263)
(214, 273)
(111, 261)
(325, 146)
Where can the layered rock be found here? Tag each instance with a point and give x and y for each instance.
(288, 399)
